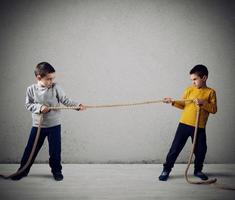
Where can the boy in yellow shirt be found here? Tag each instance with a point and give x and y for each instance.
(204, 97)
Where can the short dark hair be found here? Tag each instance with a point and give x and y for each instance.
(200, 70)
(43, 69)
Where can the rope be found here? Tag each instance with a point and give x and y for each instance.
(211, 182)
(31, 154)
(68, 108)
(117, 105)
(207, 182)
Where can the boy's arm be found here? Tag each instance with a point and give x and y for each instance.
(180, 104)
(211, 105)
(64, 99)
(30, 105)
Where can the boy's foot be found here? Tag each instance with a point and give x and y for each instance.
(19, 176)
(164, 176)
(201, 175)
(58, 176)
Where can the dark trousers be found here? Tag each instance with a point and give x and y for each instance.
(182, 133)
(53, 135)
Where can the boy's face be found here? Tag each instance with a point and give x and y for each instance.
(198, 81)
(46, 81)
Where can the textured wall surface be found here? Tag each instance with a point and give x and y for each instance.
(114, 52)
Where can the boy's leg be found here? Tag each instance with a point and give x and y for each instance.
(28, 150)
(181, 136)
(200, 152)
(54, 140)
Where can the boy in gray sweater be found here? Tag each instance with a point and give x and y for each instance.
(39, 97)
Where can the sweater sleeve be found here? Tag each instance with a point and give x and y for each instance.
(30, 104)
(181, 104)
(211, 105)
(63, 98)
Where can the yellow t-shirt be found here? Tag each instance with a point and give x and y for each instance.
(189, 112)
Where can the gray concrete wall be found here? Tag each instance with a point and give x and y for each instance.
(114, 52)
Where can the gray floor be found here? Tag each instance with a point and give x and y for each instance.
(114, 182)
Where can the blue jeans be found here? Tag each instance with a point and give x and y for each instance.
(53, 135)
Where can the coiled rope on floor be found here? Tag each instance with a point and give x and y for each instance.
(207, 182)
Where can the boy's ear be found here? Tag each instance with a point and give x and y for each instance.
(204, 78)
(38, 77)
